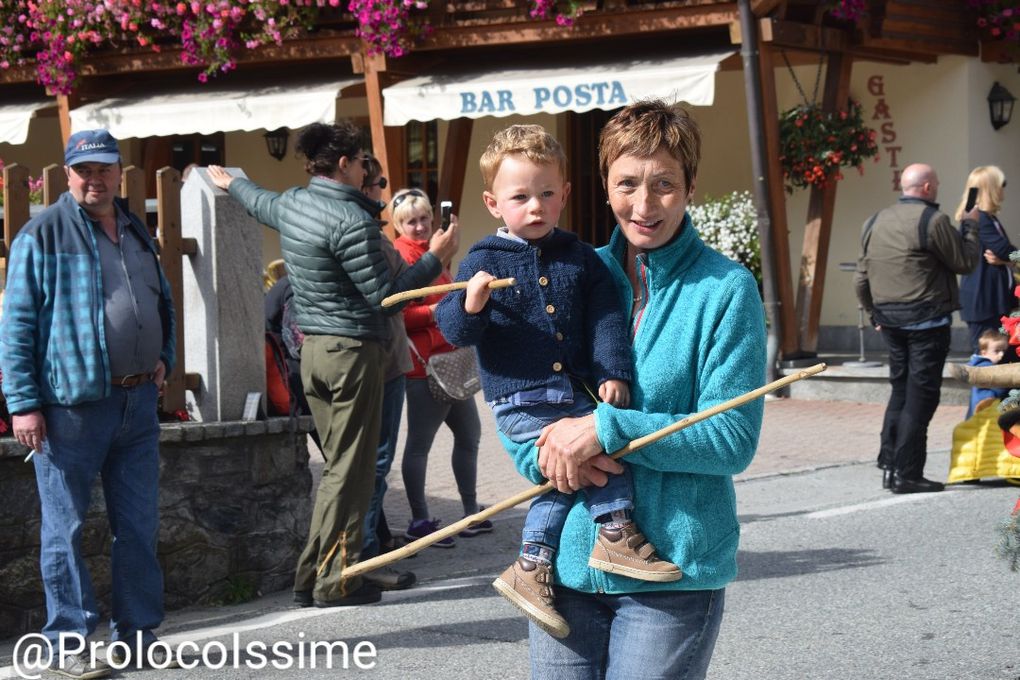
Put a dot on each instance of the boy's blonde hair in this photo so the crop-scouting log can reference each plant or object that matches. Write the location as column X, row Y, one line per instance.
column 990, row 336
column 406, row 203
column 530, row 141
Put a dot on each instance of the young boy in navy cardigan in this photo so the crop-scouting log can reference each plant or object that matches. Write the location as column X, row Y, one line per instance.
column 543, row 346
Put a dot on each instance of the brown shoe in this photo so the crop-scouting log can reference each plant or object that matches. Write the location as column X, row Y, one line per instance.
column 627, row 552
column 528, row 586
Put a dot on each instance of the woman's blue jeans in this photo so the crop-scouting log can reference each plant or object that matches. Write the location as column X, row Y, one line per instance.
column 666, row 634
column 393, row 407
column 117, row 438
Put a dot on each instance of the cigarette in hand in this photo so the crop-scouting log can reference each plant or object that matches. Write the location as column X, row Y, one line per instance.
column 29, row 456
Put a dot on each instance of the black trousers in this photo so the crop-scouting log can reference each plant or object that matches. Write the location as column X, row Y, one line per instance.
column 916, row 359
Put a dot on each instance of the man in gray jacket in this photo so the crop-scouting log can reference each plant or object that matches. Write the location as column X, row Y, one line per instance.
column 906, row 279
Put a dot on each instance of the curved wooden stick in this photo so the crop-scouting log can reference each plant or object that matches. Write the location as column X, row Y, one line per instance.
column 443, row 288
column 457, row 527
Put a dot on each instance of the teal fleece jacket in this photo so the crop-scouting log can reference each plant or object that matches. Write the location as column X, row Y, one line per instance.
column 698, row 341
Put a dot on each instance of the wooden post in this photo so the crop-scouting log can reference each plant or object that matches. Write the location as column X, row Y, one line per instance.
column 818, row 229
column 132, row 187
column 66, row 102
column 454, row 162
column 788, row 343
column 54, row 183
column 375, row 67
column 15, row 205
column 168, row 211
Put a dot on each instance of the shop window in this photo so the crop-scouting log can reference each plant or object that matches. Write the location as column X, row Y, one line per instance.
column 179, row 152
column 422, row 154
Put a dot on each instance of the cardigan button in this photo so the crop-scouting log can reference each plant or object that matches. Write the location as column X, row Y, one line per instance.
column 542, row 281
column 557, row 366
column 559, row 336
column 550, row 309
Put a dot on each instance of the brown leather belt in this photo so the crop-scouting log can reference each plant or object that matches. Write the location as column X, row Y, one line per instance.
column 133, row 380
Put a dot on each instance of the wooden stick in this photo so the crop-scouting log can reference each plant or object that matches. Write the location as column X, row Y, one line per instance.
column 444, row 288
column 457, row 527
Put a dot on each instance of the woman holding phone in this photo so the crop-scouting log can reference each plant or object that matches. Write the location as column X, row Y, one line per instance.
column 412, row 218
column 986, row 294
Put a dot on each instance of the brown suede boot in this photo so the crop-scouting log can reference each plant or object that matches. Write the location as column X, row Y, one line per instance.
column 528, row 586
column 627, row 552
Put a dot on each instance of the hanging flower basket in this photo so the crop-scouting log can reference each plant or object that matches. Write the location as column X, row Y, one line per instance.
column 816, row 146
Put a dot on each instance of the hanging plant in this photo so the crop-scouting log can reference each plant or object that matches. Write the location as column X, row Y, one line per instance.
column 390, row 27
column 848, row 10
column 565, row 12
column 815, row 146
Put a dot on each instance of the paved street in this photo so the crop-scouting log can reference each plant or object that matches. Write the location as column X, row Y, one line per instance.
column 838, row 578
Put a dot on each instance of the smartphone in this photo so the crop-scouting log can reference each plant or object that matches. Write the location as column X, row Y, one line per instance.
column 972, row 195
column 445, row 210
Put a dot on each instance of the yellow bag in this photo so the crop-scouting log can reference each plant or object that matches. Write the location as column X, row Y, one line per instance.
column 978, row 448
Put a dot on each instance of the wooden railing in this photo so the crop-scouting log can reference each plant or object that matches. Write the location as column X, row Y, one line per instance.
column 17, row 209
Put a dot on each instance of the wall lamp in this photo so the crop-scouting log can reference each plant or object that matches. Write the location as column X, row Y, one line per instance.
column 1000, row 105
column 276, row 142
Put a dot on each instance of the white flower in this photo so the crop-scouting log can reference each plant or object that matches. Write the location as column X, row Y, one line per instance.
column 730, row 226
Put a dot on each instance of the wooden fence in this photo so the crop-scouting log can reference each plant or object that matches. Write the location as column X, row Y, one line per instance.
column 167, row 229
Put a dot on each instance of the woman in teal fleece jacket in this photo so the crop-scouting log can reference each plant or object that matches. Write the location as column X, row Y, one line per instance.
column 698, row 334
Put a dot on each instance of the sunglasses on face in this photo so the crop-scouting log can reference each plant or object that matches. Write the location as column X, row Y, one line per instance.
column 404, row 196
column 381, row 183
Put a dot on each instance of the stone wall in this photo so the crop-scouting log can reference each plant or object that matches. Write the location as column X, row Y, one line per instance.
column 235, row 504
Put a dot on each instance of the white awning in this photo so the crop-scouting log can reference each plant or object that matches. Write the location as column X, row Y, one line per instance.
column 207, row 109
column 579, row 88
column 15, row 117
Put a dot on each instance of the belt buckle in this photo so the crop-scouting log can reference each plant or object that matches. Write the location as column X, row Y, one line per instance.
column 132, row 379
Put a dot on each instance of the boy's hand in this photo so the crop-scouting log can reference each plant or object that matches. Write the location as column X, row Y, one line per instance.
column 615, row 392
column 444, row 242
column 478, row 292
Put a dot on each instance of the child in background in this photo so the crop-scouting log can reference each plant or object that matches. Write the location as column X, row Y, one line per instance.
column 992, row 346
column 543, row 346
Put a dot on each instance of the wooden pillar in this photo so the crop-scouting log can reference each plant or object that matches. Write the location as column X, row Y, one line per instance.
column 818, row 229
column 15, row 207
column 66, row 102
column 453, row 165
column 54, row 183
column 788, row 343
column 375, row 81
column 168, row 210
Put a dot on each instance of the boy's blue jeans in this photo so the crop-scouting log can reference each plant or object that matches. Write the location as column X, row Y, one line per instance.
column 117, row 438
column 548, row 512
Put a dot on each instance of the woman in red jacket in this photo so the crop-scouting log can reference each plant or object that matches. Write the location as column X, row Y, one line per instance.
column 412, row 218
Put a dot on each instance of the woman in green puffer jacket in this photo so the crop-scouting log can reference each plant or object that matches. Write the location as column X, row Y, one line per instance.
column 331, row 240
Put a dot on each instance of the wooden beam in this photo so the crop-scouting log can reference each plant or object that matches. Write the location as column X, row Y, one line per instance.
column 762, row 7
column 818, row 230
column 587, row 27
column 54, row 183
column 15, row 207
column 132, row 188
column 788, row 343
column 454, row 164
column 793, row 35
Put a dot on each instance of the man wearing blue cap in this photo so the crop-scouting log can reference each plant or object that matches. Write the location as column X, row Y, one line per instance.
column 86, row 339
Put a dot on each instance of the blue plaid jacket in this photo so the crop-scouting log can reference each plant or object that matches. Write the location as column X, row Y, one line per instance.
column 52, row 336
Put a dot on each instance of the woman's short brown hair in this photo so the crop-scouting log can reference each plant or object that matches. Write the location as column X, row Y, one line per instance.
column 645, row 127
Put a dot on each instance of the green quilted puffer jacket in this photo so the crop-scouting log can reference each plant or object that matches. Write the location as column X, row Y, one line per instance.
column 330, row 239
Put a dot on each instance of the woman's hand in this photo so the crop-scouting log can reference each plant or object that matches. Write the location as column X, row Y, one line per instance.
column 444, row 242
column 992, row 258
column 220, row 177
column 570, row 456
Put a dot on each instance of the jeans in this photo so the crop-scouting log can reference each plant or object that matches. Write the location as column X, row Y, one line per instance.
column 548, row 512
column 916, row 359
column 393, row 405
column 666, row 634
column 118, row 438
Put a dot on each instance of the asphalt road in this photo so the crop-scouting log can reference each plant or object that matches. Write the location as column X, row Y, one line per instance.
column 838, row 579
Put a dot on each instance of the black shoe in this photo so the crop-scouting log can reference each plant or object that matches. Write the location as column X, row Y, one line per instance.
column 919, row 485
column 388, row 578
column 887, row 478
column 303, row 598
column 366, row 594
